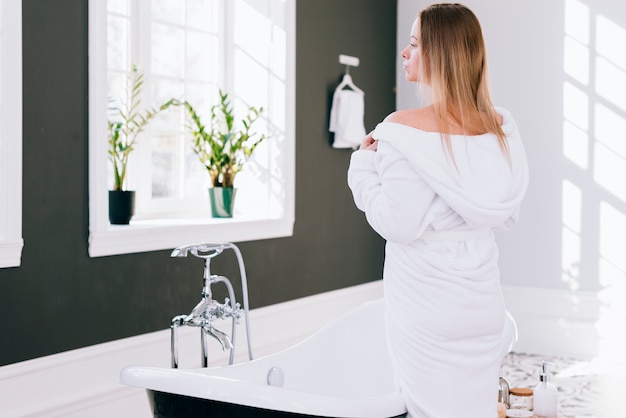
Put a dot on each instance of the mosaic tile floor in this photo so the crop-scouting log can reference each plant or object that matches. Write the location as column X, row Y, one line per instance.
column 587, row 388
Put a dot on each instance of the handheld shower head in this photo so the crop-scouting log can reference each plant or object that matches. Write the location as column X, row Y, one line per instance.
column 181, row 251
column 204, row 250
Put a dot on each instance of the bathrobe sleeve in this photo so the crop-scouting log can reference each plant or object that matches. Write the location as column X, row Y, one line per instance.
column 393, row 196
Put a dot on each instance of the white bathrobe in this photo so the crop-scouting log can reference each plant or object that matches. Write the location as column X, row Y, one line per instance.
column 444, row 307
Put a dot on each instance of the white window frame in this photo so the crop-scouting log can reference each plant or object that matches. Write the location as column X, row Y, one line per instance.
column 160, row 234
column 11, row 241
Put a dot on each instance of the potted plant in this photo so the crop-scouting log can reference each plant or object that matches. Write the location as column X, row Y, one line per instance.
column 124, row 127
column 223, row 148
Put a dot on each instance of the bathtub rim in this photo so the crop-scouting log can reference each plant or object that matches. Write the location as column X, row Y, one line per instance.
column 198, row 384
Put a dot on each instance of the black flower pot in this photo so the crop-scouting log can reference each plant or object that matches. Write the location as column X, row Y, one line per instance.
column 121, row 206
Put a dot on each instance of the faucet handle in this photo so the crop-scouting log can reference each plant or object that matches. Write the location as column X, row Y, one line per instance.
column 226, row 310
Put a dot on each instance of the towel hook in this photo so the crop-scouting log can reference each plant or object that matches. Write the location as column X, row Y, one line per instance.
column 348, row 61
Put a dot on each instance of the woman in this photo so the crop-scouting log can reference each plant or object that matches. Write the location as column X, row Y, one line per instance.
column 435, row 182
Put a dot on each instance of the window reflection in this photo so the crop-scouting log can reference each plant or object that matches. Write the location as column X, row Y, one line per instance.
column 594, row 196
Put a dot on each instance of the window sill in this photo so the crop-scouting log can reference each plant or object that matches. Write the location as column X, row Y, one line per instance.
column 11, row 253
column 153, row 235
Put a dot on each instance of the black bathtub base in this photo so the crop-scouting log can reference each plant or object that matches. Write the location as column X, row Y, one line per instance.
column 170, row 405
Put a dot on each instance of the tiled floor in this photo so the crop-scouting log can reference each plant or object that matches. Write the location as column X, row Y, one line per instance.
column 587, row 388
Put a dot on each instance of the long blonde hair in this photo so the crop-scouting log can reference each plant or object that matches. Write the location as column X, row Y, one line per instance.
column 454, row 64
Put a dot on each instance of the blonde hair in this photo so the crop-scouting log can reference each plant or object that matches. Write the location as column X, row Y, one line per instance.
column 454, row 64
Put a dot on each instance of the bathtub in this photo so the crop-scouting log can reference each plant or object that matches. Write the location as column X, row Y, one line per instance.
column 343, row 370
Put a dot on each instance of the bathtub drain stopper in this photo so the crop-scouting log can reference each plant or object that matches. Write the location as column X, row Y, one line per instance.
column 276, row 377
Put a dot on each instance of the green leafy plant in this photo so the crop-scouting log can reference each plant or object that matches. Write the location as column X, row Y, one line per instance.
column 129, row 122
column 222, row 147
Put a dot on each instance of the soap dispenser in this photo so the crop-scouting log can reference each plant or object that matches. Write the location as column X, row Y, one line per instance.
column 545, row 394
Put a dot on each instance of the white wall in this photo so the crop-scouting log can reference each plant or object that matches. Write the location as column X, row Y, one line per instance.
column 572, row 234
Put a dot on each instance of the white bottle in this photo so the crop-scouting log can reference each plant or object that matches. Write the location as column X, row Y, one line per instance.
column 545, row 395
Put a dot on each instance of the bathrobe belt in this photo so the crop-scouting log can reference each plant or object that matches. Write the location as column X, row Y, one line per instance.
column 470, row 234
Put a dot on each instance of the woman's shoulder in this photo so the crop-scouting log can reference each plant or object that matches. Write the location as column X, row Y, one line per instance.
column 422, row 118
column 425, row 119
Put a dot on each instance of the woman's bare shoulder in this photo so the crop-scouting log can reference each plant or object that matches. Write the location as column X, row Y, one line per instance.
column 422, row 118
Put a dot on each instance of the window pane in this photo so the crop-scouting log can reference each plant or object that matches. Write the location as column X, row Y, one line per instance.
column 118, row 6
column 278, row 52
column 170, row 11
column 251, row 79
column 253, row 29
column 202, row 56
column 164, row 89
column 167, row 50
column 166, row 166
column 196, row 177
column 277, row 110
column 117, row 43
column 202, row 96
column 203, row 14
column 116, row 94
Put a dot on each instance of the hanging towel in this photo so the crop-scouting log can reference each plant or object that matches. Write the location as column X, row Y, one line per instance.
column 346, row 118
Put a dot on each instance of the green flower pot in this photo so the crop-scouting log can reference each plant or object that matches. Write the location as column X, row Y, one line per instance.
column 222, row 201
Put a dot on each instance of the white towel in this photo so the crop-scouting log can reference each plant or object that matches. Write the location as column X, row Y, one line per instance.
column 346, row 118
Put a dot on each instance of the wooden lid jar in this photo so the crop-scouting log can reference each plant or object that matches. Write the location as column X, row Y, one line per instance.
column 521, row 398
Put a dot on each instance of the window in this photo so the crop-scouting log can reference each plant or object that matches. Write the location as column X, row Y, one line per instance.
column 190, row 49
column 11, row 241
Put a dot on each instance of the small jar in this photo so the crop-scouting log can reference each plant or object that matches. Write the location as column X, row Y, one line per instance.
column 521, row 398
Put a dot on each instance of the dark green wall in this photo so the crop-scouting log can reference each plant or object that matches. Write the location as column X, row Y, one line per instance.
column 60, row 299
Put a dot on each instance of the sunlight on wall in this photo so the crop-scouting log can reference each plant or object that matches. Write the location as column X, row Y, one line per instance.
column 610, row 62
column 572, row 223
column 575, row 125
column 594, row 129
column 575, row 135
column 609, row 172
column 612, row 278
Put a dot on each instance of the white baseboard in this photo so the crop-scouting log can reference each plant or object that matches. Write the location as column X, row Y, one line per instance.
column 85, row 382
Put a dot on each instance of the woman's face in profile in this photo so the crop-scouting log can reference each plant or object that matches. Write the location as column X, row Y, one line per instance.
column 411, row 55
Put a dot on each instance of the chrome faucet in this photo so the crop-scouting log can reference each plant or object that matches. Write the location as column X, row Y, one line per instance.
column 204, row 314
column 220, row 336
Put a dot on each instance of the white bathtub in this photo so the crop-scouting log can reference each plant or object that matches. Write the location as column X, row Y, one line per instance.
column 343, row 370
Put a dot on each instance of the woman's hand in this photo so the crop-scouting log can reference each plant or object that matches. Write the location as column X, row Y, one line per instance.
column 369, row 143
